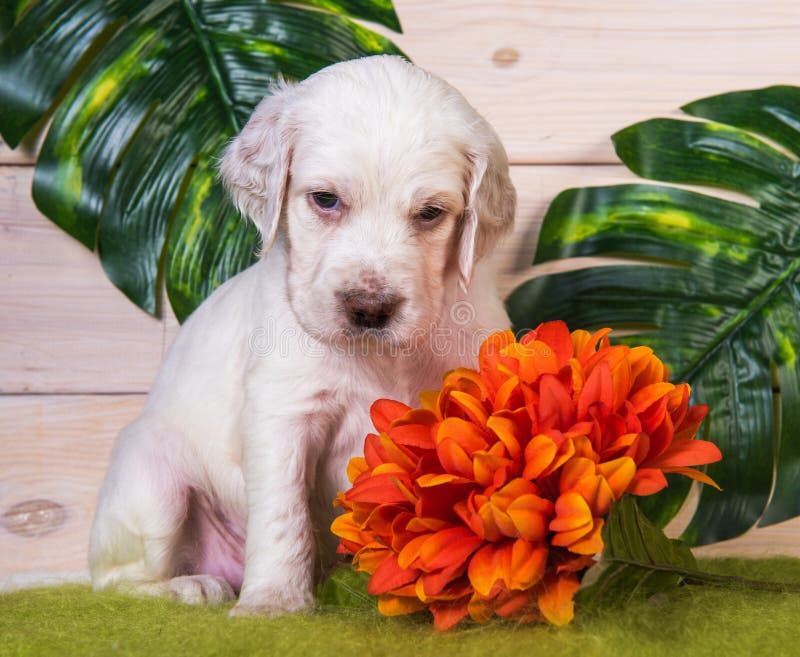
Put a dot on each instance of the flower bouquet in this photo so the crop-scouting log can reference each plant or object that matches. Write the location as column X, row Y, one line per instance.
column 490, row 498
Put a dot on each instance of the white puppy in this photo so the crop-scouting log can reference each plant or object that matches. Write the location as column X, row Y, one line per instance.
column 383, row 191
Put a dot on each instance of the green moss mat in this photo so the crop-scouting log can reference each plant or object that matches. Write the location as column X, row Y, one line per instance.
column 692, row 621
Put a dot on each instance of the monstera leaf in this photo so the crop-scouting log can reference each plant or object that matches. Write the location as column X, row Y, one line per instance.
column 146, row 93
column 715, row 289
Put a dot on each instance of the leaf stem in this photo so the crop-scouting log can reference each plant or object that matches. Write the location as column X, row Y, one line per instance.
column 216, row 73
column 736, row 322
column 699, row 577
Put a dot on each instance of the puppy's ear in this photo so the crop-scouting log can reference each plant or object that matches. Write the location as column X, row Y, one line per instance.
column 255, row 166
column 491, row 203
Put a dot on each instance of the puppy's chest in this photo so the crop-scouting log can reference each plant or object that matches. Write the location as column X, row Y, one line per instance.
column 357, row 383
column 350, row 396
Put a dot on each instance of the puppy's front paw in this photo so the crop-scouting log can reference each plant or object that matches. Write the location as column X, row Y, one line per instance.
column 189, row 589
column 272, row 603
column 200, row 589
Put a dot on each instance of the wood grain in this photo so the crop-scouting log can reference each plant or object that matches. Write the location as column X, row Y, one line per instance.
column 558, row 78
column 64, row 327
column 54, row 448
column 19, row 156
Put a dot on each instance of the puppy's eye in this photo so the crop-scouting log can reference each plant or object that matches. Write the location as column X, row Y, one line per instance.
column 429, row 214
column 326, row 200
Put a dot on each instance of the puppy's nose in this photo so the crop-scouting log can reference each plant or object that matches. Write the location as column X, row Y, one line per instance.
column 370, row 310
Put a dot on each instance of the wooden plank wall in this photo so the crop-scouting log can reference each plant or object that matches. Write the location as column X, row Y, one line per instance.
column 555, row 78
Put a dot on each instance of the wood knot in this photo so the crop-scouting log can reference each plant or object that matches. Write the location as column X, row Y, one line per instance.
column 504, row 57
column 34, row 518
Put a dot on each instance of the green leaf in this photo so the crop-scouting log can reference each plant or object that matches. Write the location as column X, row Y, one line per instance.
column 346, row 588
column 638, row 558
column 10, row 13
column 713, row 287
column 147, row 92
column 378, row 11
column 640, row 561
column 631, row 538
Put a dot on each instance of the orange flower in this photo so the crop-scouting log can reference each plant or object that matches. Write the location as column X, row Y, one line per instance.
column 489, row 500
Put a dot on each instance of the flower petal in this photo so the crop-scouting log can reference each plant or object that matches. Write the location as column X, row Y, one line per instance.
column 490, row 564
column 481, row 610
column 535, row 358
column 374, row 454
column 390, row 575
column 397, row 454
column 585, row 346
column 496, row 522
column 467, row 512
column 691, row 422
column 370, row 558
column 466, row 380
column 432, row 480
column 425, row 524
column 591, row 543
column 556, row 598
column 597, row 493
column 489, row 500
column 694, row 474
column 508, row 432
column 573, row 519
column 618, row 473
column 472, row 406
column 686, row 453
column 356, row 466
column 454, row 459
column 393, row 605
column 649, row 395
column 511, row 491
column 447, row 615
column 492, row 364
column 439, row 501
column 385, row 411
column 486, row 464
column 508, row 396
column 539, row 454
column 407, row 558
column 528, row 561
column 379, row 489
column 447, row 547
column 647, row 481
column 599, row 388
column 574, row 470
column 467, row 435
column 413, row 435
column 517, row 604
column 556, row 335
column 556, row 410
column 429, row 400
column 433, row 584
column 345, row 527
column 531, row 515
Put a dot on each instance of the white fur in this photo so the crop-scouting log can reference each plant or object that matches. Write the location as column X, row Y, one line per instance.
column 265, row 393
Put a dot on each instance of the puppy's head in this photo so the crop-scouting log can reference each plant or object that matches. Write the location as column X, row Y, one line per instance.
column 387, row 186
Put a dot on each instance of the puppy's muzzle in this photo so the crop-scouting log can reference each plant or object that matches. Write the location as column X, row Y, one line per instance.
column 370, row 310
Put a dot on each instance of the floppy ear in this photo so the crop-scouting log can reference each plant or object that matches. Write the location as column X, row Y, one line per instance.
column 491, row 203
column 255, row 166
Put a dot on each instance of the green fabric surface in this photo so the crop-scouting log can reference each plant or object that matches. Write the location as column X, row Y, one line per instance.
column 692, row 621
